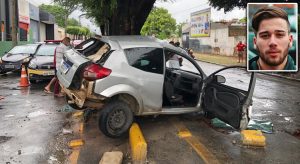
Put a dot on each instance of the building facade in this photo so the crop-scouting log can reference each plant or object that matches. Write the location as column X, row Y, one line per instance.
column 222, row 40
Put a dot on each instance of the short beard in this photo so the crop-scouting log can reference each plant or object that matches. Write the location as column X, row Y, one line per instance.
column 273, row 63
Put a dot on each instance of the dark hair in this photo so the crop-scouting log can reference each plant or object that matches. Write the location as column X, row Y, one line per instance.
column 171, row 42
column 268, row 13
column 177, row 44
column 67, row 39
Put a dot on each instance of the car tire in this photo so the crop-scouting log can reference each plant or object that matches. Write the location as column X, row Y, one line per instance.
column 115, row 119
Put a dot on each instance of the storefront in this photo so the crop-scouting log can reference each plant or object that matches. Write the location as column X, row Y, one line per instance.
column 34, row 23
column 24, row 20
column 46, row 26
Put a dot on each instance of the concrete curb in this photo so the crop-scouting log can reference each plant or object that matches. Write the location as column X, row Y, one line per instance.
column 264, row 73
column 114, row 157
column 138, row 144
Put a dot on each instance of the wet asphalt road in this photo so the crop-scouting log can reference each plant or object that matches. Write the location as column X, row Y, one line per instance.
column 30, row 123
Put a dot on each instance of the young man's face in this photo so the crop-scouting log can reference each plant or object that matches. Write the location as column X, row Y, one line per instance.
column 273, row 41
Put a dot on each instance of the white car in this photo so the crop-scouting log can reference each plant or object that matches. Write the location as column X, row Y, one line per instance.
column 127, row 76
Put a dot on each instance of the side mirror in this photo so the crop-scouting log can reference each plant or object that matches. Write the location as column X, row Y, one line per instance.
column 220, row 79
column 31, row 55
column 5, row 52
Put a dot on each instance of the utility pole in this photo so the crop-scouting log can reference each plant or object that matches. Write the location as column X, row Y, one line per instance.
column 14, row 22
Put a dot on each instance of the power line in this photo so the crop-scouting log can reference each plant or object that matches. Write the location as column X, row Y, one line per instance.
column 180, row 11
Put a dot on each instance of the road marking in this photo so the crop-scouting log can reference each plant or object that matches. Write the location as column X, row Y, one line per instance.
column 74, row 156
column 200, row 148
column 79, row 126
column 75, row 143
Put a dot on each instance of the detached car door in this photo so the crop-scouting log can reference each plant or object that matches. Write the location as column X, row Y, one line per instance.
column 228, row 95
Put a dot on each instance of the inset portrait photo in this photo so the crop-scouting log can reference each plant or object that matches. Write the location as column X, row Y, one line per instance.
column 272, row 33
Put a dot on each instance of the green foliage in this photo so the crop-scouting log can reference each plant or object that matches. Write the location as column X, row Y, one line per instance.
column 100, row 10
column 228, row 5
column 73, row 22
column 179, row 29
column 57, row 11
column 68, row 5
column 159, row 23
column 76, row 30
column 243, row 20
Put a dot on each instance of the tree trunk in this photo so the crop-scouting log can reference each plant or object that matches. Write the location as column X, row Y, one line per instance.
column 14, row 23
column 130, row 17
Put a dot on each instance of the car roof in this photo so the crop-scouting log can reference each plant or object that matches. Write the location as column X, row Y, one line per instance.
column 125, row 42
column 33, row 44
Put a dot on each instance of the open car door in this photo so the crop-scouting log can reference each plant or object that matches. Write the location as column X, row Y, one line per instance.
column 229, row 99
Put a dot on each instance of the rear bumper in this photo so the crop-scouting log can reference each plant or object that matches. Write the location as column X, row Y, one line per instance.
column 84, row 97
column 39, row 74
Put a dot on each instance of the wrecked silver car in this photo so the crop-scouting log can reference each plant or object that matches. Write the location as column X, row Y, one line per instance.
column 127, row 76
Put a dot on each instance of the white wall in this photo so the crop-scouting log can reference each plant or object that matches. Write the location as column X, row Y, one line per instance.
column 42, row 32
column 59, row 32
column 219, row 39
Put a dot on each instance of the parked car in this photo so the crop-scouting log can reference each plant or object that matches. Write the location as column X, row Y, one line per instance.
column 127, row 76
column 41, row 66
column 74, row 43
column 13, row 60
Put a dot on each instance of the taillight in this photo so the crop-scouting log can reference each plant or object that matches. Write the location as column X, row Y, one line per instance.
column 95, row 71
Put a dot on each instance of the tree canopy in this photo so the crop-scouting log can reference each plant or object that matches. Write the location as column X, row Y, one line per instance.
column 228, row 5
column 115, row 17
column 159, row 23
column 73, row 22
column 78, row 31
column 57, row 11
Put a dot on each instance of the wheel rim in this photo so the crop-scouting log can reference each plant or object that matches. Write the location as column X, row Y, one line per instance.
column 117, row 119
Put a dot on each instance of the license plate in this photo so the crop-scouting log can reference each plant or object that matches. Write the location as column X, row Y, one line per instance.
column 49, row 73
column 65, row 67
column 9, row 66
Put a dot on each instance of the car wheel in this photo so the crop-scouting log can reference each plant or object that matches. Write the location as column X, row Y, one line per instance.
column 115, row 119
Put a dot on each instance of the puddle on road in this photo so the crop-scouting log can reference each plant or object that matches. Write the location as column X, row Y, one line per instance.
column 4, row 139
column 268, row 104
column 289, row 119
column 9, row 115
column 37, row 113
column 32, row 150
column 52, row 160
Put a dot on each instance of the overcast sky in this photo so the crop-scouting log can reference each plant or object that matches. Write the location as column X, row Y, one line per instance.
column 179, row 9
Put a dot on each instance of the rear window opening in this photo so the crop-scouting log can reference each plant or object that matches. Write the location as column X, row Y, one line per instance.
column 94, row 49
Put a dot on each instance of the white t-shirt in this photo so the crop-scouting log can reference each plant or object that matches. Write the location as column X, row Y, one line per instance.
column 60, row 50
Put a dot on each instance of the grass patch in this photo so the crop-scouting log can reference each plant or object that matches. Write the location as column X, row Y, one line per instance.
column 219, row 59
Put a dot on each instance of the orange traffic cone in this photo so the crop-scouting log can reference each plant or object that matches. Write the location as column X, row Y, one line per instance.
column 24, row 80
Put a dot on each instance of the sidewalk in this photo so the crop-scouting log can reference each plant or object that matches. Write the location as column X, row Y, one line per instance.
column 233, row 60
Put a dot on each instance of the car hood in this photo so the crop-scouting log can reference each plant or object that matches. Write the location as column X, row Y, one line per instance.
column 14, row 57
column 42, row 60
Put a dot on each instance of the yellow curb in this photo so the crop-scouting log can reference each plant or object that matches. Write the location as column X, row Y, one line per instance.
column 253, row 138
column 138, row 144
column 184, row 133
column 75, row 143
column 73, row 158
column 78, row 114
column 81, row 127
